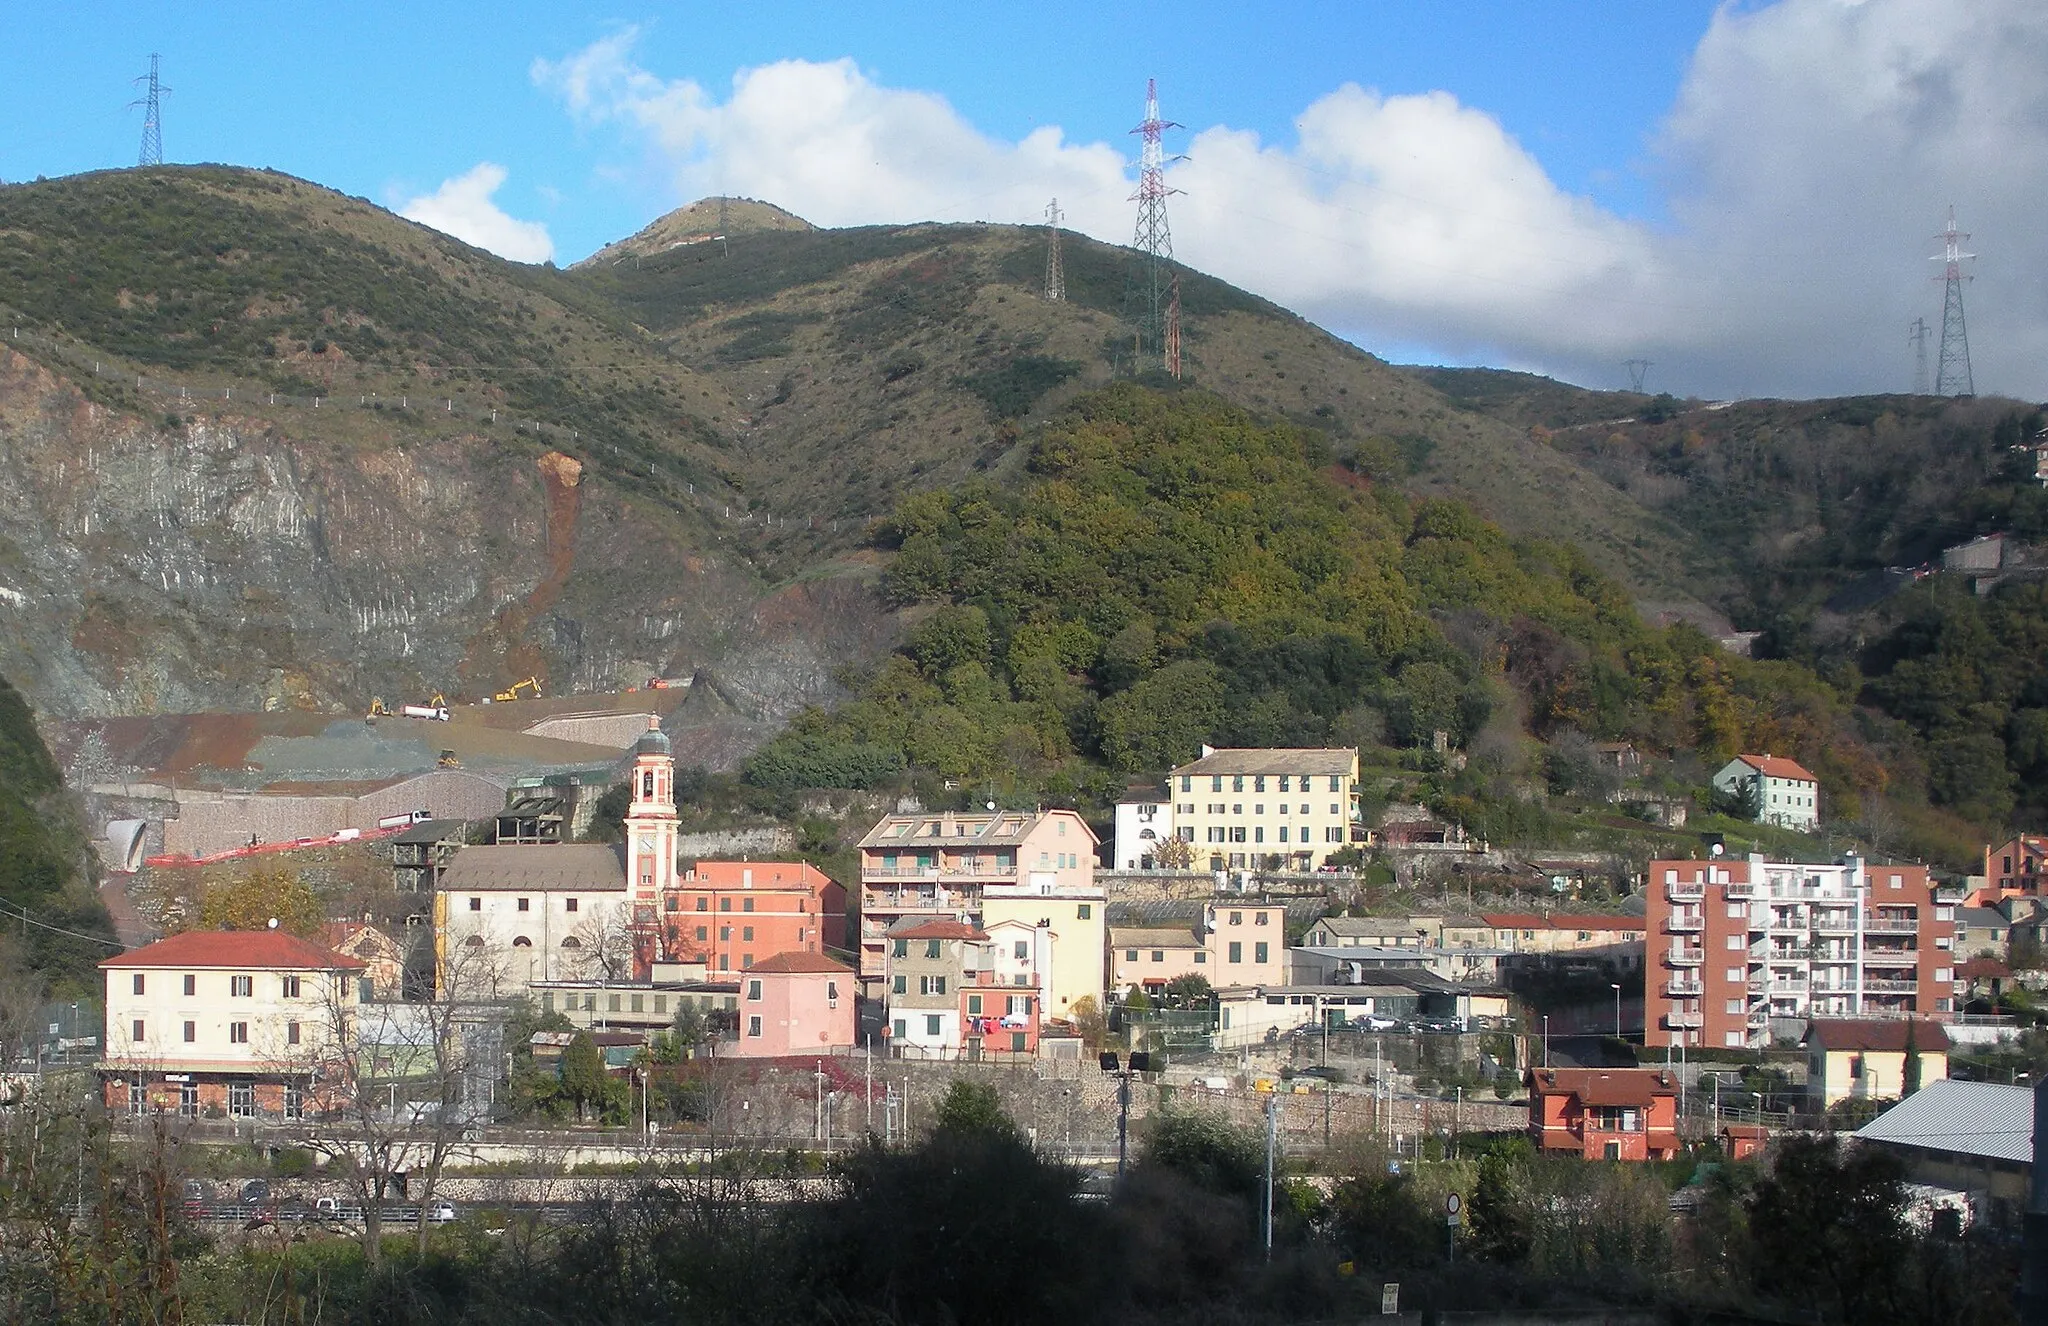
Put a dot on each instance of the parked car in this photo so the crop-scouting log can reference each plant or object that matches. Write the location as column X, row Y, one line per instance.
column 440, row 1213
column 256, row 1191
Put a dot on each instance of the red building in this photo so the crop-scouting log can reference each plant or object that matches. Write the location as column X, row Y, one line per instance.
column 728, row 914
column 2013, row 869
column 1604, row 1113
column 1734, row 943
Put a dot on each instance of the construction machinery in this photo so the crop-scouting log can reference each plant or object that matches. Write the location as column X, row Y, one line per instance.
column 377, row 709
column 448, row 761
column 512, row 692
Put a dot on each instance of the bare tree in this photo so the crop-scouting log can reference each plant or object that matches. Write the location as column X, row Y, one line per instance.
column 604, row 945
column 400, row 1084
column 21, row 1001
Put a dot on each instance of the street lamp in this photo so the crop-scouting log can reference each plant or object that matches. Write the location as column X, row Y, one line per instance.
column 1546, row 1040
column 1140, row 1062
column 1617, row 1009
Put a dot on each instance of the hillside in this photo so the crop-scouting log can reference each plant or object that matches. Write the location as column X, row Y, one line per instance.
column 44, row 887
column 335, row 479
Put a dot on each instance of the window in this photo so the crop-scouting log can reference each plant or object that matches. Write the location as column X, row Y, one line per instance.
column 1855, row 1066
column 746, row 904
column 569, row 904
column 704, row 904
column 1158, row 955
column 831, row 994
column 1236, row 951
column 898, row 1030
column 931, row 985
column 1258, row 782
column 294, row 1103
column 638, row 1007
column 754, row 1025
column 1259, row 952
column 138, row 1097
column 291, row 987
column 476, row 904
column 902, row 946
column 188, row 1100
column 1086, row 912
column 1237, row 918
column 1733, row 1039
column 1736, row 911
column 1130, row 955
column 1733, row 1006
column 291, row 1033
column 1732, row 973
column 1216, row 782
column 135, row 1032
column 671, row 903
column 242, row 1100
column 1187, row 784
column 931, row 948
column 1283, row 782
column 520, row 905
column 1737, row 942
column 753, row 992
column 1017, row 1041
column 191, row 986
column 1258, row 918
column 932, row 1024
column 242, row 987
column 703, row 933
column 1283, row 834
column 725, row 934
column 899, row 985
column 661, row 1003
column 191, row 1032
column 238, row 1033
column 974, row 1006
column 613, row 1004
column 1201, row 956
column 746, row 934
column 138, row 982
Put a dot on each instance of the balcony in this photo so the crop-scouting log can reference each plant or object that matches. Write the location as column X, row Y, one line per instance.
column 1682, row 1021
column 1788, row 922
column 1759, row 1017
column 883, row 904
column 1685, row 957
column 1684, row 925
column 1683, row 892
column 1757, row 986
column 1889, row 987
column 1733, row 889
column 1890, row 926
column 1684, row 989
column 1950, row 894
column 1834, row 925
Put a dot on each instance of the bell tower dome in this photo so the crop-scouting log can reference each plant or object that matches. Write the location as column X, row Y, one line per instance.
column 651, row 818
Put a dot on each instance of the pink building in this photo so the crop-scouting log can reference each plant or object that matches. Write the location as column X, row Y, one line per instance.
column 795, row 1003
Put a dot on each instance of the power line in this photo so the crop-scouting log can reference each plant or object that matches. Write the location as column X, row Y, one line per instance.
column 21, row 914
column 152, row 153
column 1916, row 336
column 1146, row 292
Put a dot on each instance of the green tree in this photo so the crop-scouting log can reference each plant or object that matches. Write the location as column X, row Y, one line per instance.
column 252, row 901
column 1163, row 719
column 1189, row 991
column 1499, row 1231
column 584, row 1082
column 973, row 1107
column 1829, row 1231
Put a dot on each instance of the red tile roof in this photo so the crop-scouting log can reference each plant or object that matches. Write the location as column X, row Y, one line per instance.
column 939, row 930
column 766, row 875
column 1777, row 766
column 1605, row 1086
column 235, row 948
column 1982, row 969
column 799, row 963
column 1874, row 1034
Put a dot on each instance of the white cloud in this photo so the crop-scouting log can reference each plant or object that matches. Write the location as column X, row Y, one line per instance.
column 1813, row 148
column 463, row 207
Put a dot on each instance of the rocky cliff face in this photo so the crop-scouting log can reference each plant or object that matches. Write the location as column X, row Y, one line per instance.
column 220, row 562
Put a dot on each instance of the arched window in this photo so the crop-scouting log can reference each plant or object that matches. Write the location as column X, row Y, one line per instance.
column 474, row 941
column 647, row 785
column 572, row 942
column 522, row 942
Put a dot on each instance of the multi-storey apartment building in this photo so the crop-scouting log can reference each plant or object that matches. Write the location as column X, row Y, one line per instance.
column 1786, row 794
column 927, row 964
column 2017, row 867
column 948, row 865
column 241, row 1023
column 1241, row 809
column 1735, row 943
column 728, row 914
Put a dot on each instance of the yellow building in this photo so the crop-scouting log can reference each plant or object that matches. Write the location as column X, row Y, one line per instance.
column 1247, row 809
column 1865, row 1058
column 1066, row 934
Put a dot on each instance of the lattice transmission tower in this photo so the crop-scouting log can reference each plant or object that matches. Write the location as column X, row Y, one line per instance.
column 1638, row 370
column 1055, row 266
column 152, row 153
column 1149, row 292
column 1952, row 374
column 1917, row 332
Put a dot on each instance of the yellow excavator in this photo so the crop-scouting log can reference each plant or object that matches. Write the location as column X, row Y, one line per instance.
column 377, row 709
column 511, row 693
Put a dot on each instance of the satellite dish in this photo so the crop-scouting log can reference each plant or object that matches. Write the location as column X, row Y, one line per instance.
column 273, row 923
column 990, row 804
column 1716, row 849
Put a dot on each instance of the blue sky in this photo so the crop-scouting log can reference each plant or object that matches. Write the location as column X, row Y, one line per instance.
column 1551, row 186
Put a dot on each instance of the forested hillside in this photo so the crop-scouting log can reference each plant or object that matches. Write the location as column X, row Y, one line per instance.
column 44, row 888
column 1174, row 571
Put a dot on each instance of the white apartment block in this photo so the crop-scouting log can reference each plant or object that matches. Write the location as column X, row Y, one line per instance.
column 1245, row 809
column 1787, row 795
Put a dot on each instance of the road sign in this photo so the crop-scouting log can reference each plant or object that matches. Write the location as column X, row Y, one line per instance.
column 1451, row 1204
column 1390, row 1300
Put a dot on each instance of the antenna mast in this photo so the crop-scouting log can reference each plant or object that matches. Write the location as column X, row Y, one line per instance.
column 724, row 227
column 1952, row 377
column 1917, row 332
column 1055, row 268
column 152, row 153
column 1146, row 296
column 1638, row 369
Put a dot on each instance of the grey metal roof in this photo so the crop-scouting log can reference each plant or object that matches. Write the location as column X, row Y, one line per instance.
column 1146, row 937
column 583, row 867
column 1981, row 1119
